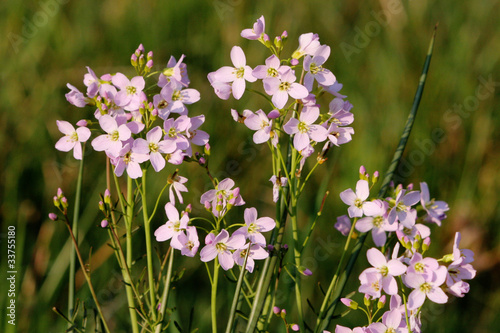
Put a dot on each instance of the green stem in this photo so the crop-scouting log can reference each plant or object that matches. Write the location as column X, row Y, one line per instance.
column 166, row 290
column 74, row 228
column 149, row 254
column 236, row 296
column 213, row 303
column 128, row 287
column 87, row 277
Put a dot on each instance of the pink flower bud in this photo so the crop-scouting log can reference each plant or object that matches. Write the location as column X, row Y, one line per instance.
column 294, row 62
column 410, row 187
column 133, row 58
column 150, row 54
column 381, row 302
column 140, row 48
column 295, row 327
column 362, row 170
column 207, row 205
column 202, row 160
column 82, row 123
column 149, row 64
column 276, row 310
column 53, row 216
column 283, row 313
column 154, row 113
column 189, row 208
column 284, row 34
column 104, row 223
column 59, row 193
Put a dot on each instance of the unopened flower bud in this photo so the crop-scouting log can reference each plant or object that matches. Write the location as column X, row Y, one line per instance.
column 284, row 35
column 104, row 223
column 154, row 113
column 64, row 202
column 276, row 310
column 101, row 206
column 270, row 247
column 140, row 48
column 367, row 300
column 202, row 161
column 142, row 61
column 57, row 203
column 381, row 302
column 295, row 327
column 207, row 149
column 150, row 55
column 277, row 42
column 362, row 173
column 59, row 193
column 410, row 187
column 107, row 197
column 189, row 208
column 283, row 313
column 149, row 64
column 133, row 60
column 349, row 303
column 426, row 244
column 207, row 205
column 305, row 271
column 294, row 62
column 375, row 177
column 82, row 123
column 53, row 216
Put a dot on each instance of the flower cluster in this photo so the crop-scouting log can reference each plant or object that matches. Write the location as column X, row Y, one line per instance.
column 403, row 216
column 126, row 117
column 300, row 117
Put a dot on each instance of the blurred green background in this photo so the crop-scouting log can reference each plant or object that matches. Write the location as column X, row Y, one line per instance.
column 378, row 57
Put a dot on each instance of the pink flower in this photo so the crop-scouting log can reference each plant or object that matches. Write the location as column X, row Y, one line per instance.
column 222, row 89
column 129, row 160
column 315, row 70
column 194, row 135
column 387, row 269
column 257, row 32
column 221, row 247
column 177, row 186
column 308, row 44
column 259, row 122
column 402, row 208
column 272, row 68
column 435, row 209
column 75, row 97
column 155, row 147
column 280, row 87
column 343, row 225
column 221, row 196
column 72, row 138
column 176, row 129
column 189, row 241
column 255, row 226
column 173, row 227
column 111, row 142
column 357, row 201
column 237, row 74
column 175, row 97
column 426, row 287
column 377, row 222
column 130, row 95
column 423, row 266
column 390, row 323
column 304, row 129
column 256, row 253
column 277, row 184
column 175, row 71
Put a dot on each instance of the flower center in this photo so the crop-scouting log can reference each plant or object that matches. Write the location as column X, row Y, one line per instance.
column 189, row 245
column 425, row 288
column 172, row 132
column 153, row 147
column 384, row 270
column 253, row 228
column 176, row 96
column 358, row 203
column 131, row 90
column 243, row 253
column 220, row 247
column 376, row 286
column 162, row 104
column 73, row 137
column 419, row 267
column 377, row 221
column 240, row 72
column 390, row 330
column 114, row 136
column 303, row 127
column 272, row 72
column 127, row 158
column 176, row 226
column 314, row 69
column 284, row 86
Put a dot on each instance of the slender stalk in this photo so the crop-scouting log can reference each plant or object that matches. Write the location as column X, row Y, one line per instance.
column 149, row 254
column 74, row 228
column 213, row 303
column 87, row 277
column 128, row 287
column 325, row 316
column 236, row 296
column 166, row 290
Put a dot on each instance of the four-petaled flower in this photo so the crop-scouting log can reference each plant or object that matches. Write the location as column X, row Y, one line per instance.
column 72, row 138
column 220, row 247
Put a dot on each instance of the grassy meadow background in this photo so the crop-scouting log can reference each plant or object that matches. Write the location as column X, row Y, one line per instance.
column 454, row 146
